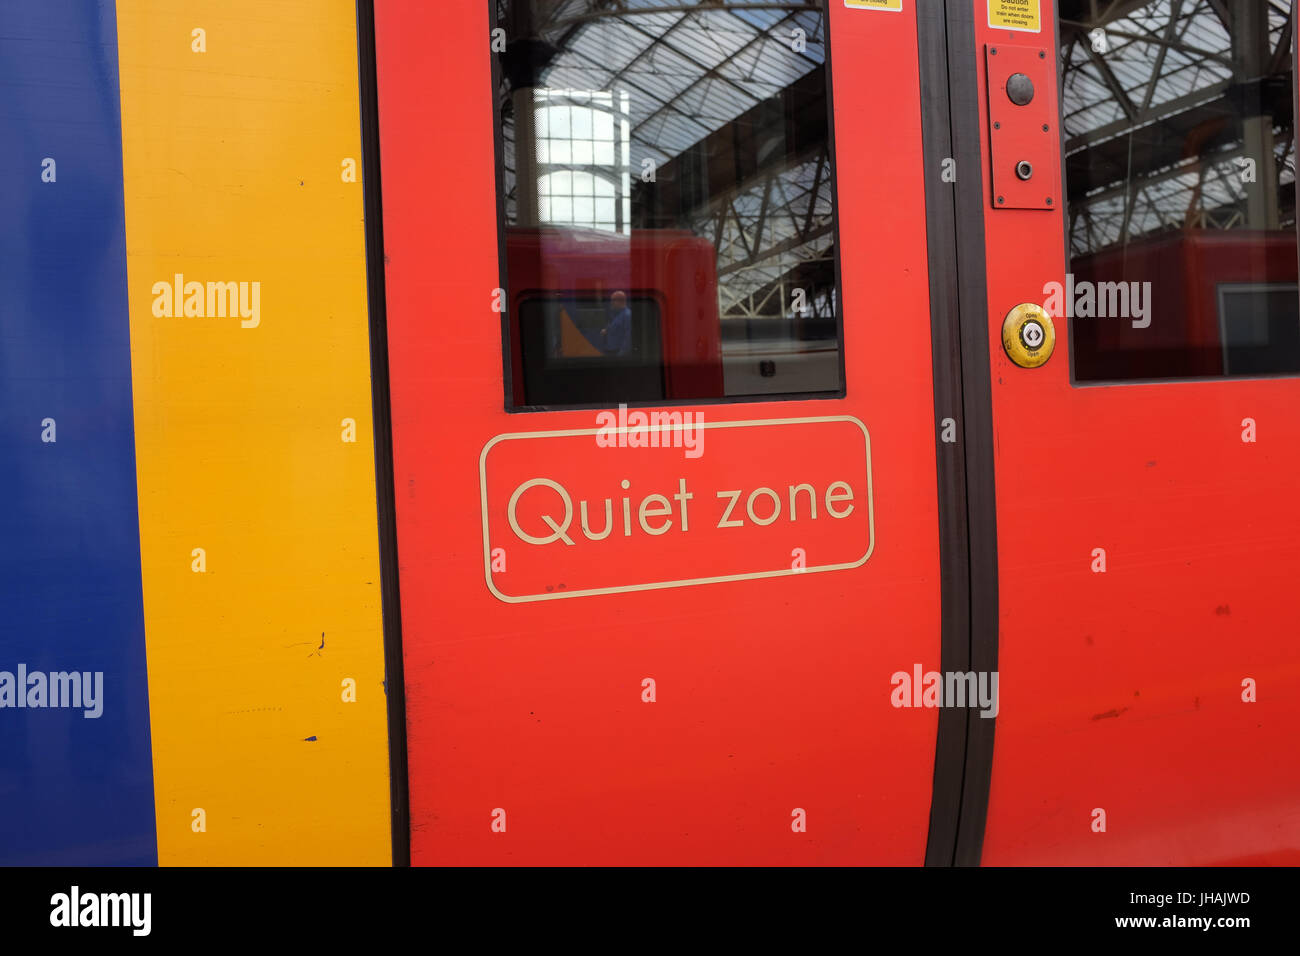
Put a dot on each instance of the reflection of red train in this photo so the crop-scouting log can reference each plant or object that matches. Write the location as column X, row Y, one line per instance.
column 564, row 278
column 1209, row 313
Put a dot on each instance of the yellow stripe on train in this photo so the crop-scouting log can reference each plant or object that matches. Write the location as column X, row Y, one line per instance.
column 241, row 141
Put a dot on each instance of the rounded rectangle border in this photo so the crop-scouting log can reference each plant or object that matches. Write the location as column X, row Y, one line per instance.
column 684, row 582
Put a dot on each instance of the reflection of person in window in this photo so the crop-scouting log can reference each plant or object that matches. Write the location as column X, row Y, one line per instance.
column 617, row 336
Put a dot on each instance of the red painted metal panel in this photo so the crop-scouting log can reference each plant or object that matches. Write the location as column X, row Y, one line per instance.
column 1023, row 134
column 1122, row 691
column 772, row 694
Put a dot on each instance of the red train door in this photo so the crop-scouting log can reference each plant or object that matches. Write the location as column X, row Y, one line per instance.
column 1145, row 508
column 703, row 535
column 664, row 432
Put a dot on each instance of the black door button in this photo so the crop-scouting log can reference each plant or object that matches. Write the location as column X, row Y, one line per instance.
column 1020, row 89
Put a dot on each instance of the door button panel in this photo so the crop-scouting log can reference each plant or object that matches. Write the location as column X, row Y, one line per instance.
column 1023, row 138
column 1028, row 335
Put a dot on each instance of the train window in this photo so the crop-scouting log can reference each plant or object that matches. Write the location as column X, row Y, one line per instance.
column 1178, row 118
column 667, row 193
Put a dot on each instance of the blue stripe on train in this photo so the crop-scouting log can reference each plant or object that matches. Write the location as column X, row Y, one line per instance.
column 73, row 790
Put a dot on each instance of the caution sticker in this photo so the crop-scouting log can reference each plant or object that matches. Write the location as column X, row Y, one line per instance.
column 874, row 4
column 1022, row 15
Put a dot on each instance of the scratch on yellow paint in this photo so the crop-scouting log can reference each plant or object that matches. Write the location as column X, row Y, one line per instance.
column 232, row 161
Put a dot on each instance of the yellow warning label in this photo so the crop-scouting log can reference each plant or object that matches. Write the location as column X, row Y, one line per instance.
column 1020, row 15
column 874, row 4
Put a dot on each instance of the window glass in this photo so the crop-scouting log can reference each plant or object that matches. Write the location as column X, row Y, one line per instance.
column 667, row 185
column 1180, row 171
